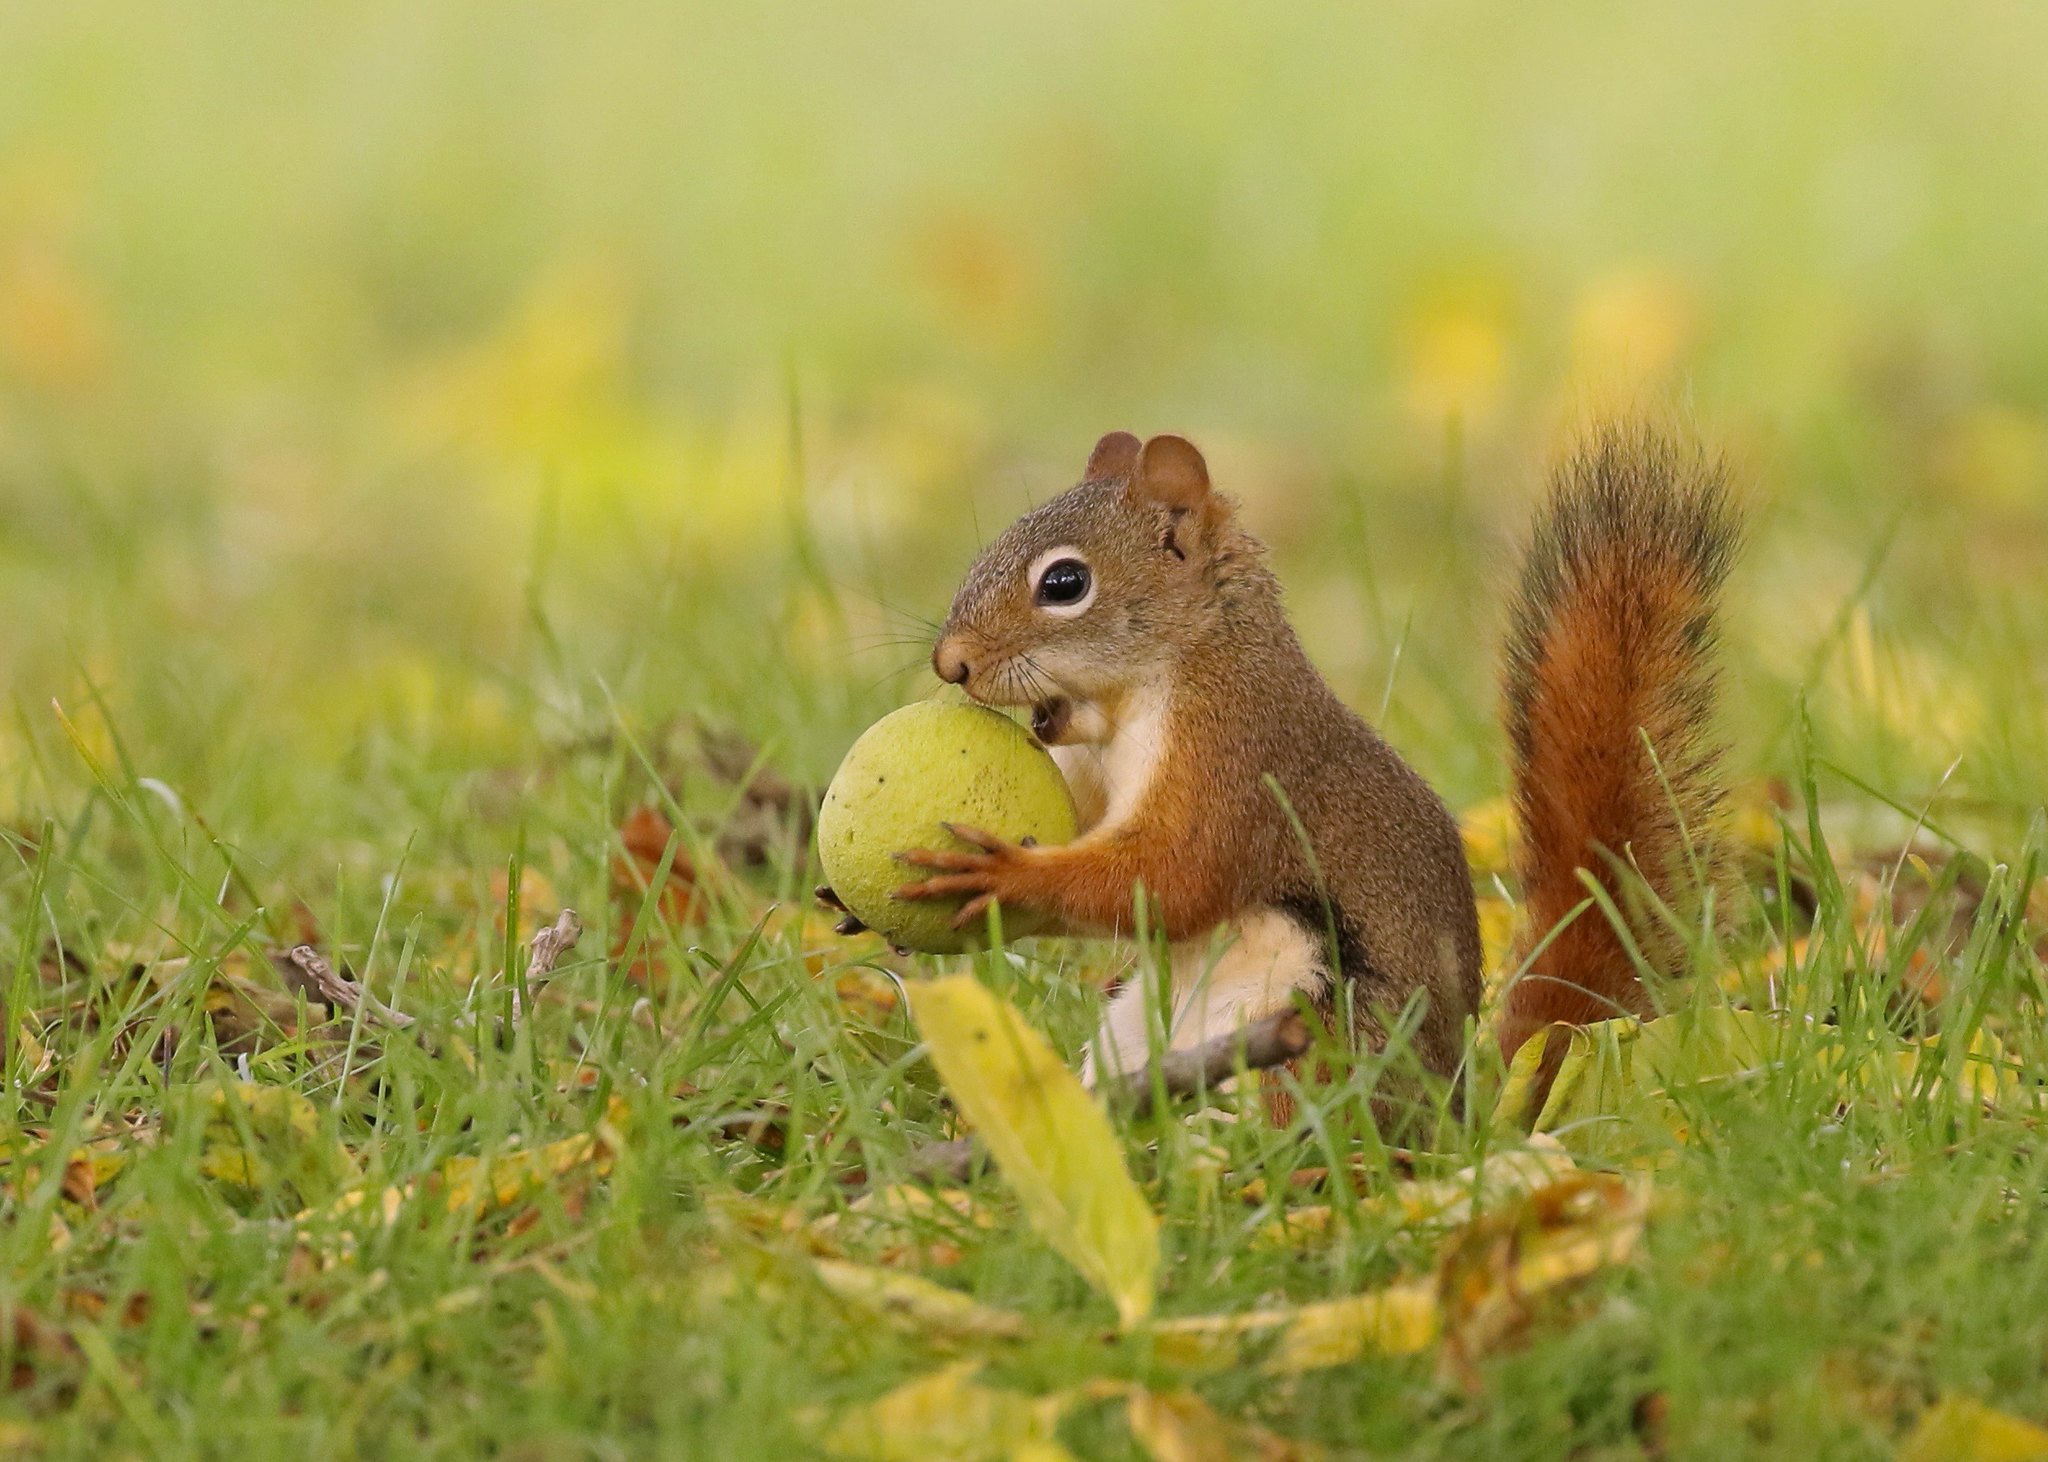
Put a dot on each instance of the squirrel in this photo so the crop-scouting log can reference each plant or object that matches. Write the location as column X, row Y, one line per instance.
column 1230, row 801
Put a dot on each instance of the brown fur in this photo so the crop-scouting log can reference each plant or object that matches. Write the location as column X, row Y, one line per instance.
column 1609, row 681
column 1611, row 642
column 1188, row 601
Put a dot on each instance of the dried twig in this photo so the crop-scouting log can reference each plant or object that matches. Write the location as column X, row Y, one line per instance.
column 306, row 969
column 549, row 945
column 1274, row 1041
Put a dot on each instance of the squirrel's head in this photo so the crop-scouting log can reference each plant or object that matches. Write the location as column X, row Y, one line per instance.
column 1090, row 594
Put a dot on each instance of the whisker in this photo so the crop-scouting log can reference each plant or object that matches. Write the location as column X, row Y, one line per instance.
column 881, row 680
column 883, row 641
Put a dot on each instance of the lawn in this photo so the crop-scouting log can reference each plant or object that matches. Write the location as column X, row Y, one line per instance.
column 460, row 464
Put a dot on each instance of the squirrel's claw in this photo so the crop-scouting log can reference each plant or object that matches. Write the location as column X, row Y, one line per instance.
column 990, row 852
column 980, row 877
column 987, row 842
column 945, row 886
column 944, row 860
column 851, row 924
column 972, row 912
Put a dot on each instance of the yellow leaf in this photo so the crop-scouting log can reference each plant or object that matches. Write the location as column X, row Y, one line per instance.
column 488, row 1184
column 914, row 1303
column 1957, row 1429
column 504, row 1178
column 1614, row 1085
column 1519, row 1170
column 1179, row 1426
column 1516, row 1109
column 1399, row 1320
column 1489, row 832
column 1446, row 1201
column 1052, row 1142
column 1986, row 1070
column 513, row 1175
column 907, row 1205
column 260, row 1138
column 1497, row 926
column 32, row 1057
column 1547, row 1240
column 950, row 1415
column 1176, row 1426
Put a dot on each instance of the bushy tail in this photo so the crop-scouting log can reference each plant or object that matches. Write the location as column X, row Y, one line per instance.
column 1610, row 681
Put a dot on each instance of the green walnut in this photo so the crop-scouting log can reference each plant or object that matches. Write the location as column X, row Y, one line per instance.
column 928, row 764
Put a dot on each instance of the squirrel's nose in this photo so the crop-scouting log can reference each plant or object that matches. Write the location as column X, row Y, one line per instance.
column 949, row 662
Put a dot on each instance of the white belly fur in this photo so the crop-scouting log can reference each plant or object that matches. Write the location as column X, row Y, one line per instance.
column 1110, row 760
column 1242, row 973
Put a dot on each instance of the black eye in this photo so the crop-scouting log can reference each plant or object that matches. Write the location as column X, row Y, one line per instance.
column 1065, row 581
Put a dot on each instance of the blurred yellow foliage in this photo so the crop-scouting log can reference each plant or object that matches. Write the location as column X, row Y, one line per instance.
column 980, row 272
column 1962, row 1429
column 1634, row 325
column 1905, row 689
column 951, row 1414
column 1996, row 455
column 53, row 329
column 1490, row 835
column 1454, row 350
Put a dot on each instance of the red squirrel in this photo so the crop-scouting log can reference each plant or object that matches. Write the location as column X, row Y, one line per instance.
column 1278, row 843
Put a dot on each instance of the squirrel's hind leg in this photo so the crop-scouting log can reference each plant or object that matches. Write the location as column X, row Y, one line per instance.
column 1244, row 971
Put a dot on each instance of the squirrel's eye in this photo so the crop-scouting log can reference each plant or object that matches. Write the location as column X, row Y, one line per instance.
column 1064, row 582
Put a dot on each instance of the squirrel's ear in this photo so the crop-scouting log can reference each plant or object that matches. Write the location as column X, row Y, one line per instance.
column 1113, row 457
column 1171, row 473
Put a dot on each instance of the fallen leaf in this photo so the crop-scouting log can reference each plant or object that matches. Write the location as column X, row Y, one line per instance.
column 950, row 1415
column 1400, row 1319
column 489, row 1185
column 1957, row 1429
column 1551, row 1238
column 39, row 1349
column 914, row 1303
column 1179, row 1426
column 1548, row 1238
column 644, row 840
column 918, row 1225
column 1541, row 1161
column 1052, row 1141
column 503, row 1179
column 264, row 1139
column 1984, row 1069
column 1616, row 1082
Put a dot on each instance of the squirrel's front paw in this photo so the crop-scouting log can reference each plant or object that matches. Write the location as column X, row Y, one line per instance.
column 992, row 873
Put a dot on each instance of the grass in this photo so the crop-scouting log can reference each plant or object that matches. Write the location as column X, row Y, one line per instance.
column 417, row 430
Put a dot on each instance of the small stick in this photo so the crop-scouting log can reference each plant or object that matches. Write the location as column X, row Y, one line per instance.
column 549, row 945
column 1274, row 1041
column 307, row 970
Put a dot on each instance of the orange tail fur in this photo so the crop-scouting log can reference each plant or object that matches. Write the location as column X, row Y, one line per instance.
column 1610, row 680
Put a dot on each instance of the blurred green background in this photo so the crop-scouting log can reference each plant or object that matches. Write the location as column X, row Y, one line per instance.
column 390, row 387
